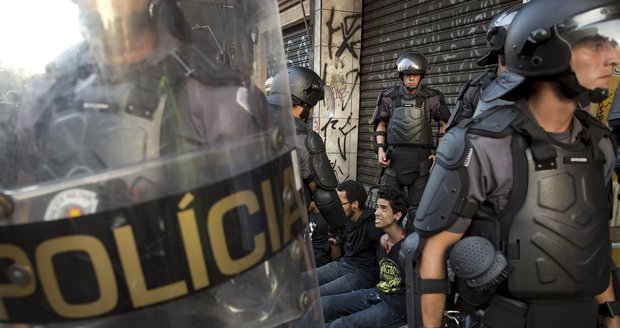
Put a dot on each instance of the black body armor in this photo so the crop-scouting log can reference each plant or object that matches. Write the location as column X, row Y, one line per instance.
column 554, row 230
column 559, row 241
column 409, row 123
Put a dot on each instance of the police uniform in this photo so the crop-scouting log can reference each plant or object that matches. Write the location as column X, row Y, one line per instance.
column 128, row 120
column 307, row 173
column 482, row 94
column 469, row 97
column 541, row 199
column 409, row 134
column 157, row 109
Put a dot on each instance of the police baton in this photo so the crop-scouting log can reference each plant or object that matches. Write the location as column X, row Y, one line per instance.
column 388, row 156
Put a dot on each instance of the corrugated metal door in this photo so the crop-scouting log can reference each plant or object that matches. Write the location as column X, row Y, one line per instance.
column 297, row 47
column 451, row 33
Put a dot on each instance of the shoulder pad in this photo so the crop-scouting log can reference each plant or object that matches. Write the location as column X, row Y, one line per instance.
column 379, row 98
column 500, row 86
column 464, row 89
column 496, row 122
column 478, row 79
column 451, row 152
column 72, row 61
column 314, row 143
column 428, row 92
column 391, row 92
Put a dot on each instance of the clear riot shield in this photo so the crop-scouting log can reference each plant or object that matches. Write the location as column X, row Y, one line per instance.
column 145, row 181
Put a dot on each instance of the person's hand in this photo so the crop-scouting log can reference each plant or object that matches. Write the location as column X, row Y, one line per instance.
column 383, row 160
column 432, row 158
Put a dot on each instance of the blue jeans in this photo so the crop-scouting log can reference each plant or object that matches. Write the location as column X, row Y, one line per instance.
column 361, row 308
column 339, row 277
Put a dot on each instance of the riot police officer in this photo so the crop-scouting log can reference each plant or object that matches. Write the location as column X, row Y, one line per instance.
column 468, row 101
column 156, row 188
column 529, row 183
column 306, row 89
column 403, row 127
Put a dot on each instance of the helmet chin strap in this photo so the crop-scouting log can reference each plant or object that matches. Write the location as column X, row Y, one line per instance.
column 570, row 88
column 597, row 95
column 305, row 112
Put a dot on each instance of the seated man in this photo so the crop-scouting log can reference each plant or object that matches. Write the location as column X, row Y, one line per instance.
column 384, row 305
column 357, row 268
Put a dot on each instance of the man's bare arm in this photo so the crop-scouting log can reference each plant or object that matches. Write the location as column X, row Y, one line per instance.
column 432, row 265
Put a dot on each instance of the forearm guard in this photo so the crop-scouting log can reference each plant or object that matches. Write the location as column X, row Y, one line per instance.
column 328, row 203
column 325, row 196
column 376, row 144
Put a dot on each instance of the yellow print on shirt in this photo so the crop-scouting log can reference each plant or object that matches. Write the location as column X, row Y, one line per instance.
column 389, row 276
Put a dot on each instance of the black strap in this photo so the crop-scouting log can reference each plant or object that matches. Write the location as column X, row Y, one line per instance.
column 394, row 94
column 543, row 151
column 432, row 286
column 609, row 309
column 466, row 209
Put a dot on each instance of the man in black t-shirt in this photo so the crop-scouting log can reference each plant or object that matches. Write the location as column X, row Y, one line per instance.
column 358, row 267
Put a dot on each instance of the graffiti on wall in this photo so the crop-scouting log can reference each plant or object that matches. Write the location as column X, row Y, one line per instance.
column 298, row 53
column 343, row 80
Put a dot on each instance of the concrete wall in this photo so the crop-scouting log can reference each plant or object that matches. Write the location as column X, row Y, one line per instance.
column 337, row 39
column 337, row 33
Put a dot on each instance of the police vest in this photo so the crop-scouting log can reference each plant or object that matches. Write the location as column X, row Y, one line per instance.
column 125, row 122
column 409, row 123
column 554, row 230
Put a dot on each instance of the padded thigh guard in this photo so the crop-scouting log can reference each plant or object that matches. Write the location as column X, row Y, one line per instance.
column 319, row 163
column 444, row 200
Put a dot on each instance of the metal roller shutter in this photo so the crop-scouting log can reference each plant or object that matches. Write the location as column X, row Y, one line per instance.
column 450, row 33
column 297, row 47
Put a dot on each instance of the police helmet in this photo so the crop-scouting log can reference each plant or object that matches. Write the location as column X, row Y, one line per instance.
column 541, row 37
column 496, row 35
column 305, row 86
column 411, row 63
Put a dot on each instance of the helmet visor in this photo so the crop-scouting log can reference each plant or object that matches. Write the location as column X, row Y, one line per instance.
column 407, row 65
column 597, row 27
column 593, row 39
